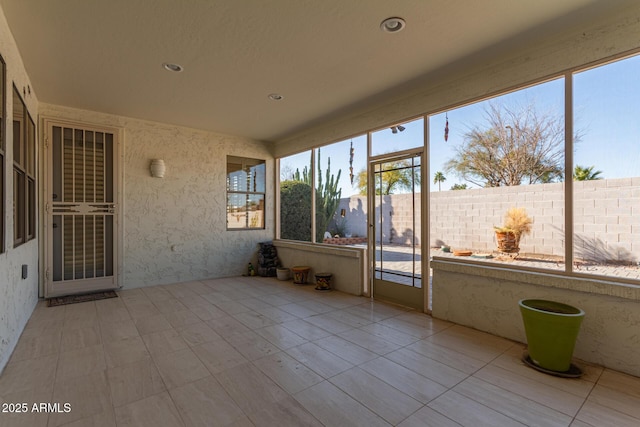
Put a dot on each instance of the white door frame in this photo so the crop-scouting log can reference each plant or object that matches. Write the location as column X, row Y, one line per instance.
column 118, row 209
column 424, row 291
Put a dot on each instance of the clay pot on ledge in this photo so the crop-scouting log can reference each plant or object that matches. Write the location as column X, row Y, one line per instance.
column 507, row 241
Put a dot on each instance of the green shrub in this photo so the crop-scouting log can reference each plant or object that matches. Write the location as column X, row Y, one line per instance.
column 295, row 210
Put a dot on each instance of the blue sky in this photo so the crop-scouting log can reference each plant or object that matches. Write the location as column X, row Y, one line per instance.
column 606, row 115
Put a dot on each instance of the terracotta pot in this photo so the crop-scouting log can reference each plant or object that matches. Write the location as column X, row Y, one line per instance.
column 300, row 274
column 507, row 241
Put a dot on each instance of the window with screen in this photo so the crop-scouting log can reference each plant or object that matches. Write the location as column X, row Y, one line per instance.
column 24, row 165
column 245, row 193
column 2, row 138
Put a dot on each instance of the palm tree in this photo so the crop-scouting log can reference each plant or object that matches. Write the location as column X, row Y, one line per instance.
column 398, row 177
column 581, row 173
column 439, row 178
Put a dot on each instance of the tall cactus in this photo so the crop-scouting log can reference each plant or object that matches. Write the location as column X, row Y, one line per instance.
column 305, row 177
column 327, row 198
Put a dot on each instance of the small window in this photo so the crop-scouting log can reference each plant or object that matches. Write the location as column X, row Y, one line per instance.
column 24, row 183
column 245, row 193
column 2, row 138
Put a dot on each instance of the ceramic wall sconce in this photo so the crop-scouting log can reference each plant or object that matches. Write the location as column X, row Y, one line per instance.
column 157, row 168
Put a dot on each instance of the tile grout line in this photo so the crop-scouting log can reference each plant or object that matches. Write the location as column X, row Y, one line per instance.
column 522, row 396
column 380, row 379
column 595, row 383
column 451, row 389
column 166, row 388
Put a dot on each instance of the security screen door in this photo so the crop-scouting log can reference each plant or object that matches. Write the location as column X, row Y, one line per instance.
column 396, row 228
column 81, row 210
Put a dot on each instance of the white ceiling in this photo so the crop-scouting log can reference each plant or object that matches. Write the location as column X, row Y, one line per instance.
column 326, row 57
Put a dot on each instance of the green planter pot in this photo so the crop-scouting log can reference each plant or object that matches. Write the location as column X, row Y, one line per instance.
column 552, row 329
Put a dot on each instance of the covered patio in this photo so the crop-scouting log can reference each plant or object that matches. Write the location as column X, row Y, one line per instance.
column 141, row 152
column 258, row 351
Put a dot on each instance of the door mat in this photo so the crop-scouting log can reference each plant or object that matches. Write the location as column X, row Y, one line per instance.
column 74, row 299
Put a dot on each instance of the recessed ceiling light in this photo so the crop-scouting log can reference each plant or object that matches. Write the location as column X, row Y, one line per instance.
column 172, row 67
column 276, row 97
column 393, row 25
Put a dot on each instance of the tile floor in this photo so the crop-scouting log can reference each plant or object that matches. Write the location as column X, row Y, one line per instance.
column 257, row 351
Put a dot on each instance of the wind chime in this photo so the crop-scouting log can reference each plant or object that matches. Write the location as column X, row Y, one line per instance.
column 446, row 127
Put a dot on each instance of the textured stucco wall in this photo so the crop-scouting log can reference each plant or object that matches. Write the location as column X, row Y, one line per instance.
column 487, row 299
column 398, row 217
column 18, row 296
column 347, row 265
column 175, row 227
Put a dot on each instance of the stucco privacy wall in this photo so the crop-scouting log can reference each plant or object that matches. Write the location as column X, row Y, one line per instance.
column 486, row 298
column 18, row 296
column 175, row 227
column 397, row 213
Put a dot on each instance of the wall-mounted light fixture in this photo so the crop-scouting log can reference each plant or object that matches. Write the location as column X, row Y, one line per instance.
column 157, row 168
column 343, row 212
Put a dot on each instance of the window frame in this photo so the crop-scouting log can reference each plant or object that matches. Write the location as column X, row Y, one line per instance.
column 30, row 184
column 24, row 174
column 308, row 198
column 246, row 162
column 3, row 117
column 568, row 193
column 567, row 75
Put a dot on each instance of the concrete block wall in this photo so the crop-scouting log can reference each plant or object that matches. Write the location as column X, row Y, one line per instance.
column 464, row 219
column 606, row 218
column 607, row 224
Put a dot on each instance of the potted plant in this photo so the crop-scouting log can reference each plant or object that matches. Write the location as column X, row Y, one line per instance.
column 516, row 224
column 282, row 273
column 551, row 329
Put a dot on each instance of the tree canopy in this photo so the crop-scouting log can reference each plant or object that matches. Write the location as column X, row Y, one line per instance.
column 295, row 210
column 396, row 177
column 581, row 173
column 513, row 147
